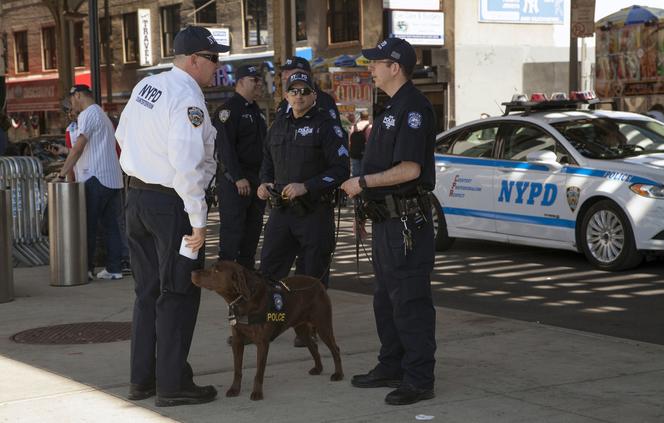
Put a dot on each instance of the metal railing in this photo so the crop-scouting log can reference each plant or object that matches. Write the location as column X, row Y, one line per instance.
column 24, row 177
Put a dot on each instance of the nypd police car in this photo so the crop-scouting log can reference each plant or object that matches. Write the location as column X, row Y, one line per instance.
column 555, row 174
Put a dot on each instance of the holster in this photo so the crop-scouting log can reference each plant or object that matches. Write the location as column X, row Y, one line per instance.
column 395, row 206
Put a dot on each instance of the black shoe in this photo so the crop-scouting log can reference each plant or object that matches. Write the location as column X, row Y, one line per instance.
column 189, row 396
column 299, row 342
column 374, row 380
column 139, row 392
column 408, row 394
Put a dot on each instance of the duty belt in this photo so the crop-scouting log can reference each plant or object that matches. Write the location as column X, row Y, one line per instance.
column 134, row 182
column 395, row 206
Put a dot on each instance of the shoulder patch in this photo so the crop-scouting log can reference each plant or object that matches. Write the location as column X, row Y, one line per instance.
column 414, row 120
column 338, row 131
column 224, row 115
column 333, row 114
column 196, row 116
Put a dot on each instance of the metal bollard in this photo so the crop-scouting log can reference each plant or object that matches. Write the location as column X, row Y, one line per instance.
column 6, row 264
column 67, row 233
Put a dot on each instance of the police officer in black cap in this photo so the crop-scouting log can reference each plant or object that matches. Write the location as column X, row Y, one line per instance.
column 241, row 129
column 397, row 176
column 306, row 158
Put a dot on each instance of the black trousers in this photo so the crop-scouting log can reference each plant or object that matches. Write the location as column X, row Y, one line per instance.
column 241, row 221
column 403, row 307
column 166, row 305
column 287, row 234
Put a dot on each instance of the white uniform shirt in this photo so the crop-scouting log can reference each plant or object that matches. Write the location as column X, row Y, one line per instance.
column 167, row 138
column 80, row 163
column 99, row 158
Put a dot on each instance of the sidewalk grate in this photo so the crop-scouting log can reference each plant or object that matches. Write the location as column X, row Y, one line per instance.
column 76, row 333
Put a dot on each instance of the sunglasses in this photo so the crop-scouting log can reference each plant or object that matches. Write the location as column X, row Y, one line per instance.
column 302, row 91
column 214, row 58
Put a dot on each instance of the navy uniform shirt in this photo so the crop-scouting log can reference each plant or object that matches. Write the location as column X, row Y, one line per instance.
column 405, row 131
column 241, row 129
column 312, row 150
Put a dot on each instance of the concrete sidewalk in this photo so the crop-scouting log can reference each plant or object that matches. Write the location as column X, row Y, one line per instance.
column 489, row 369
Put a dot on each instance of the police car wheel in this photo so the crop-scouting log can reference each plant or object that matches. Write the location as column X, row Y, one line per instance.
column 607, row 239
column 443, row 241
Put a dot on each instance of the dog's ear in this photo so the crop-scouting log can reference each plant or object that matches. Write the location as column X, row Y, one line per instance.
column 240, row 283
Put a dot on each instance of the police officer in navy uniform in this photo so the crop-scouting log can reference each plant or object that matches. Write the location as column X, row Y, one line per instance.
column 241, row 129
column 167, row 142
column 306, row 158
column 397, row 176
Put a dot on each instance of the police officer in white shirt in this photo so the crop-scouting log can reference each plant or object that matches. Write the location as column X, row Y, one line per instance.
column 167, row 142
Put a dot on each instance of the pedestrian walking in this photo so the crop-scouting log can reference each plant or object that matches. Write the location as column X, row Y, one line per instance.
column 167, row 142
column 396, row 178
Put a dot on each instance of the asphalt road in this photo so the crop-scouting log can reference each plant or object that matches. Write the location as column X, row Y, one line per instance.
column 552, row 287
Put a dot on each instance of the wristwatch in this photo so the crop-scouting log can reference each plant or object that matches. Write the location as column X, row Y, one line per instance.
column 363, row 182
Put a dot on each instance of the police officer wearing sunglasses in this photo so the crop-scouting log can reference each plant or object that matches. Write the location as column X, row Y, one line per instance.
column 241, row 129
column 167, row 142
column 306, row 158
column 397, row 175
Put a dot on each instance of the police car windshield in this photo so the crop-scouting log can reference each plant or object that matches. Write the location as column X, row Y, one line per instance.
column 607, row 138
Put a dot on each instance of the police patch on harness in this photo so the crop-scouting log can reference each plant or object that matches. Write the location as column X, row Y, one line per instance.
column 224, row 115
column 414, row 120
column 277, row 301
column 196, row 116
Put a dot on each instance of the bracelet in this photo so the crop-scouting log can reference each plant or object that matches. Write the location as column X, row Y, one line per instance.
column 363, row 182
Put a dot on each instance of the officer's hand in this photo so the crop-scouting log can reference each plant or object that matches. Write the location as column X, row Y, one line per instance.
column 262, row 192
column 359, row 229
column 243, row 187
column 293, row 190
column 352, row 187
column 196, row 239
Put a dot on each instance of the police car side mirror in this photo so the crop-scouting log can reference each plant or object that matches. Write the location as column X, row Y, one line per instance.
column 545, row 158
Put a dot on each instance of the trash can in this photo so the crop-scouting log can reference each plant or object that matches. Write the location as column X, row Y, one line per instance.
column 6, row 237
column 67, row 233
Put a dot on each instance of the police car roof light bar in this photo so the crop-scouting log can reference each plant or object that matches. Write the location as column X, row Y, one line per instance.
column 538, row 102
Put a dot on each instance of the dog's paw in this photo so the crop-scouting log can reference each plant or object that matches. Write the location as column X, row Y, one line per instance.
column 316, row 371
column 233, row 392
column 336, row 377
column 256, row 396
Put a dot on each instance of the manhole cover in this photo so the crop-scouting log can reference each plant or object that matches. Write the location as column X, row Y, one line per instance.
column 76, row 333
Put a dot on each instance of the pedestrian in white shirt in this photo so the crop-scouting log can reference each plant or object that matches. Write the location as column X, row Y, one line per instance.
column 167, row 142
column 96, row 163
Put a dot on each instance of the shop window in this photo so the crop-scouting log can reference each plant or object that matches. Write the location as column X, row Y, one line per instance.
column 255, row 22
column 79, row 45
column 344, row 23
column 21, row 49
column 300, row 20
column 130, row 35
column 206, row 11
column 49, row 50
column 170, row 25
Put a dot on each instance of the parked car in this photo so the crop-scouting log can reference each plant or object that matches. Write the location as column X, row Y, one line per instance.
column 554, row 174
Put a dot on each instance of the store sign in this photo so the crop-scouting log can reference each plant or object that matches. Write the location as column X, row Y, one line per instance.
column 583, row 18
column 418, row 28
column 522, row 11
column 28, row 96
column 352, row 87
column 144, row 32
column 412, row 4
column 222, row 36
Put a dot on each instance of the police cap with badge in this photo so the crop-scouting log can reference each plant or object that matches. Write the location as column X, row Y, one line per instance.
column 305, row 78
column 194, row 39
column 298, row 63
column 394, row 49
column 246, row 70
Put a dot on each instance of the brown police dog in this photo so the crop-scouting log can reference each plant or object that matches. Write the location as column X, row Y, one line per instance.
column 306, row 306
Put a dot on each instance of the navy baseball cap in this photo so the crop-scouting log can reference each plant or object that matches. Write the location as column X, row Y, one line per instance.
column 395, row 49
column 80, row 88
column 193, row 39
column 246, row 70
column 300, row 77
column 297, row 62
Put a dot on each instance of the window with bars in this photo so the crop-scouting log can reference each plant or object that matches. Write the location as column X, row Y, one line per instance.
column 79, row 44
column 255, row 23
column 49, row 49
column 170, row 25
column 21, row 51
column 207, row 14
column 130, row 33
column 344, row 24
column 300, row 20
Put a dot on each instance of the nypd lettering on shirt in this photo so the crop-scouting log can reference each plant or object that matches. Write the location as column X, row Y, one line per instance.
column 305, row 130
column 414, row 120
column 389, row 121
column 148, row 96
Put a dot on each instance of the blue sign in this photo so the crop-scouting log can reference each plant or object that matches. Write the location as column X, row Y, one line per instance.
column 523, row 11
